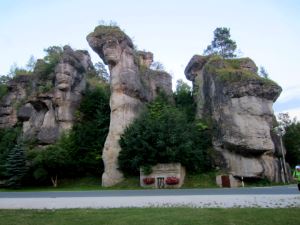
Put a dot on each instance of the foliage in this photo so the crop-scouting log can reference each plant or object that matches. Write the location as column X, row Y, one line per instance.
column 8, row 140
column 15, row 70
column 230, row 70
column 31, row 63
column 44, row 68
column 15, row 167
column 222, row 44
column 77, row 153
column 162, row 134
column 291, row 139
column 50, row 162
column 263, row 72
column 184, row 99
column 3, row 86
column 89, row 133
column 3, row 90
column 100, row 72
column 156, row 65
column 109, row 30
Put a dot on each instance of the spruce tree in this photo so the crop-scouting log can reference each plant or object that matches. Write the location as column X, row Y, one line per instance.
column 15, row 166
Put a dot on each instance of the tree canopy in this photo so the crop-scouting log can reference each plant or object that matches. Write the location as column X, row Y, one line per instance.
column 222, row 44
column 162, row 134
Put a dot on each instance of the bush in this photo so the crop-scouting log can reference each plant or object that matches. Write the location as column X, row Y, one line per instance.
column 163, row 134
column 3, row 90
column 51, row 162
column 184, row 99
column 89, row 133
column 291, row 141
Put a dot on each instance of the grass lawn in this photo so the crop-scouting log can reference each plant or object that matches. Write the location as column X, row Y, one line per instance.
column 207, row 180
column 156, row 216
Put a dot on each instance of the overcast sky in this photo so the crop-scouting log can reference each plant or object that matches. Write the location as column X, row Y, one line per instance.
column 266, row 31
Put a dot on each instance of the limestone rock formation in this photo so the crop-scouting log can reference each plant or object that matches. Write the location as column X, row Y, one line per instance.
column 45, row 115
column 239, row 104
column 132, row 84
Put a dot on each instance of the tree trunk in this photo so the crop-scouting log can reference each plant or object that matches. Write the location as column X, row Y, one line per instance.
column 54, row 181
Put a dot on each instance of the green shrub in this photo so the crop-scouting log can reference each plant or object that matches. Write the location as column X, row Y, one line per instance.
column 52, row 162
column 291, row 141
column 162, row 134
column 89, row 133
column 184, row 99
column 3, row 90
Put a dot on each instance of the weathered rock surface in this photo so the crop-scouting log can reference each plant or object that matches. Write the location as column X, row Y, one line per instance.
column 46, row 115
column 17, row 93
column 239, row 103
column 132, row 84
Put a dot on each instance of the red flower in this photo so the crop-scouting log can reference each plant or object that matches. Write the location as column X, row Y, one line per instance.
column 148, row 180
column 172, row 180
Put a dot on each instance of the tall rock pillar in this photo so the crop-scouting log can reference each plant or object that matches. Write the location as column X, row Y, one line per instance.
column 127, row 95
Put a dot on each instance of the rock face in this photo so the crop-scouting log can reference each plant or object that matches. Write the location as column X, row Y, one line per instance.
column 17, row 93
column 132, row 84
column 46, row 115
column 239, row 104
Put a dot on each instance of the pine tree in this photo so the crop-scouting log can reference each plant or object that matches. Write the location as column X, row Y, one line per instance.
column 16, row 166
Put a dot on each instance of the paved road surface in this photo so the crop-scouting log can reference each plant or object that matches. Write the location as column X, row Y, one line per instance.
column 279, row 196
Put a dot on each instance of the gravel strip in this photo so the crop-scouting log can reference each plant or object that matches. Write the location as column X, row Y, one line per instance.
column 211, row 201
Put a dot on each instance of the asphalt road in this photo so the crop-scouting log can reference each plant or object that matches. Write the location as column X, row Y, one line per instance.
column 275, row 190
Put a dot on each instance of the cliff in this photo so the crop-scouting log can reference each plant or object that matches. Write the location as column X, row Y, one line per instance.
column 238, row 102
column 45, row 105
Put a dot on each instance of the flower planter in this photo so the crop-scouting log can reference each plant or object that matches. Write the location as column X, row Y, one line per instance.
column 172, row 180
column 149, row 180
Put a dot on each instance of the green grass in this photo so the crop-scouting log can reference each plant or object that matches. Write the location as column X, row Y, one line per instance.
column 207, row 180
column 157, row 216
column 82, row 184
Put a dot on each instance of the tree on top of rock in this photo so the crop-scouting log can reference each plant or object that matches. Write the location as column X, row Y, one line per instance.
column 222, row 44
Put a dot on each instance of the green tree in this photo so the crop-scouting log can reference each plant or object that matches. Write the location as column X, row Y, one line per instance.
column 31, row 63
column 156, row 65
column 51, row 163
column 263, row 72
column 222, row 44
column 77, row 153
column 101, row 71
column 90, row 131
column 15, row 70
column 44, row 68
column 291, row 138
column 163, row 134
column 15, row 167
column 184, row 99
column 8, row 139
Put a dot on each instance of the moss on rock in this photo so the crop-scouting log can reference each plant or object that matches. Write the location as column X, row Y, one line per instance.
column 235, row 70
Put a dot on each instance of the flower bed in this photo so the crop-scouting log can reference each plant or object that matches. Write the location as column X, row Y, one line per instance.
column 149, row 180
column 172, row 180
